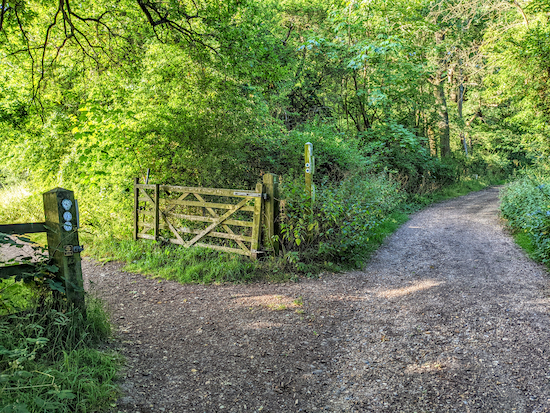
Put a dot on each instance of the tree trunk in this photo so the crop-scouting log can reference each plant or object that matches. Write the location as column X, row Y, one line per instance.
column 443, row 123
column 460, row 101
column 441, row 102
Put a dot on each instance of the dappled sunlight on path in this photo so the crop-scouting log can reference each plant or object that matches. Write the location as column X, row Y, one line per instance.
column 456, row 318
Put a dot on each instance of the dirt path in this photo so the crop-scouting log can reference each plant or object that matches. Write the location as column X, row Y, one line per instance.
column 449, row 316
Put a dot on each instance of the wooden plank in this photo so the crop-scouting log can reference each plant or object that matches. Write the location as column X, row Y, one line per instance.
column 213, row 234
column 171, row 227
column 256, row 229
column 224, row 235
column 237, row 223
column 13, row 270
column 144, row 199
column 225, row 249
column 206, row 204
column 147, row 197
column 180, row 199
column 136, row 207
column 214, row 247
column 218, row 221
column 20, row 229
column 237, row 193
column 146, row 236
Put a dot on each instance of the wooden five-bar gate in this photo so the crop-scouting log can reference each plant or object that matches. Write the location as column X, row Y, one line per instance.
column 231, row 219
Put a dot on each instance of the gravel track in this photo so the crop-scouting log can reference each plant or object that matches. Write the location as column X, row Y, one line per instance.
column 449, row 315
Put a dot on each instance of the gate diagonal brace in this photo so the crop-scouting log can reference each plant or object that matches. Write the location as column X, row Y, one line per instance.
column 217, row 222
column 226, row 227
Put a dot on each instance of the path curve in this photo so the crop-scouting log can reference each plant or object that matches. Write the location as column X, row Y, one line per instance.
column 454, row 318
column 449, row 315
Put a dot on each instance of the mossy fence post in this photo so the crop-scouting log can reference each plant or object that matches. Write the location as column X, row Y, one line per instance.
column 271, row 211
column 60, row 210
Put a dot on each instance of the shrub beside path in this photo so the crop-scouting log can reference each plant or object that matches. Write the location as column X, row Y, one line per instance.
column 449, row 315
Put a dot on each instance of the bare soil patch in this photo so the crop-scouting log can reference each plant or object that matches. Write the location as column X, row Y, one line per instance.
column 450, row 315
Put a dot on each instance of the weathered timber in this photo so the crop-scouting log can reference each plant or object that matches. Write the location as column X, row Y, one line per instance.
column 146, row 236
column 61, row 235
column 173, row 205
column 136, row 208
column 224, row 235
column 309, row 170
column 206, row 204
column 171, row 227
column 157, row 210
column 224, row 226
column 215, row 214
column 20, row 229
column 218, row 221
column 271, row 212
column 216, row 247
column 238, row 223
column 256, row 228
column 234, row 193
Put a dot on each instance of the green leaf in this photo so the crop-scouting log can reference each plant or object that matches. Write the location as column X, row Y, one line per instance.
column 56, row 286
column 66, row 395
column 15, row 408
column 52, row 268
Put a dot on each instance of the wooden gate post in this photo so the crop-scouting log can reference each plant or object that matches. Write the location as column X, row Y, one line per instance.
column 61, row 228
column 157, row 212
column 256, row 227
column 271, row 214
column 136, row 208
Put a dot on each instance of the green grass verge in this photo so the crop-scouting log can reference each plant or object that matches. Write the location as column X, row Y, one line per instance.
column 174, row 262
column 201, row 265
column 524, row 241
column 50, row 361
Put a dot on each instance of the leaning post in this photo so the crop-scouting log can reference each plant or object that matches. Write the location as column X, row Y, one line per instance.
column 61, row 224
column 271, row 211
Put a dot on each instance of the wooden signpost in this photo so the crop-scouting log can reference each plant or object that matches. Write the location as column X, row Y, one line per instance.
column 61, row 228
column 60, row 210
column 309, row 170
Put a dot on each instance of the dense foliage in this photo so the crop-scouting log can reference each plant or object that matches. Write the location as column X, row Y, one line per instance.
column 526, row 206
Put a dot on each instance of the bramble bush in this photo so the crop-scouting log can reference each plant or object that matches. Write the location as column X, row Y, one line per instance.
column 338, row 228
column 526, row 206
